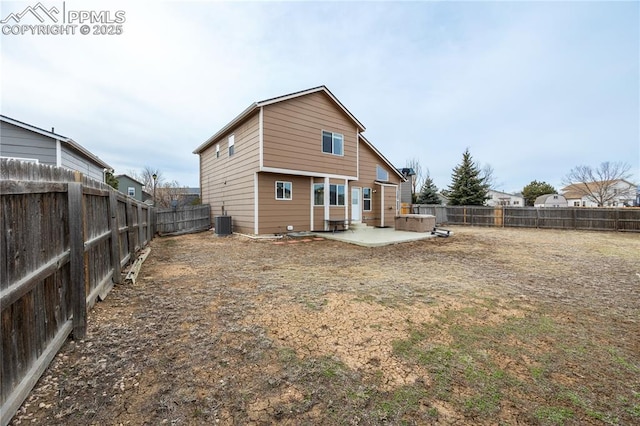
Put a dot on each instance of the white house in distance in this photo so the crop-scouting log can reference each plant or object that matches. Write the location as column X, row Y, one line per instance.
column 497, row 198
column 623, row 193
column 550, row 200
column 22, row 141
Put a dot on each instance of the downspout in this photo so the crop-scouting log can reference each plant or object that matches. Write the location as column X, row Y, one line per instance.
column 311, row 208
column 382, row 206
column 58, row 153
column 327, row 208
column 255, row 203
column 347, row 200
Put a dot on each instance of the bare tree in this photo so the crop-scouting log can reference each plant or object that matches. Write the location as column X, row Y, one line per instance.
column 600, row 184
column 418, row 178
column 146, row 177
column 488, row 175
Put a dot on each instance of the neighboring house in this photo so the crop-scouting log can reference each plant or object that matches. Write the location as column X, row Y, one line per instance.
column 550, row 200
column 130, row 186
column 293, row 163
column 406, row 188
column 25, row 142
column 621, row 193
column 497, row 198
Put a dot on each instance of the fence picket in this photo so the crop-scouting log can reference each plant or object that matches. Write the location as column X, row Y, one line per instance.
column 582, row 218
column 62, row 247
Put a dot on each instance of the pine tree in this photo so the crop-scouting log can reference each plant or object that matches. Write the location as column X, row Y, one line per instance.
column 468, row 187
column 429, row 192
column 536, row 189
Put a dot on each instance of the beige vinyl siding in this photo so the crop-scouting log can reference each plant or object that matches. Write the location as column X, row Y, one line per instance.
column 369, row 160
column 227, row 183
column 276, row 215
column 292, row 133
column 390, row 205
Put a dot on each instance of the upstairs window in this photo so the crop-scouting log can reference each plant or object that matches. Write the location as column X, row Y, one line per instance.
column 232, row 142
column 332, row 143
column 283, row 190
column 381, row 174
column 131, row 191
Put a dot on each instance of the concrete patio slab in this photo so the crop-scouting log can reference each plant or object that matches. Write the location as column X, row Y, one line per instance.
column 375, row 237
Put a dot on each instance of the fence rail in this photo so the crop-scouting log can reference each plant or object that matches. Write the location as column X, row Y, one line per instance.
column 65, row 240
column 183, row 220
column 584, row 218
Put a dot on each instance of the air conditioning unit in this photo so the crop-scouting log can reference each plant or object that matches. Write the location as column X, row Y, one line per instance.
column 222, row 225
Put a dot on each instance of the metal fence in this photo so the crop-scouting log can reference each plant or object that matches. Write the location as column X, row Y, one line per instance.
column 65, row 241
column 183, row 220
column 583, row 218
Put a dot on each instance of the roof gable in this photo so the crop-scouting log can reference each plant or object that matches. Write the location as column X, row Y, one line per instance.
column 382, row 157
column 130, row 178
column 254, row 107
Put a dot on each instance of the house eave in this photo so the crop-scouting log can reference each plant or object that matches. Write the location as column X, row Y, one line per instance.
column 63, row 139
column 379, row 154
column 257, row 105
column 243, row 115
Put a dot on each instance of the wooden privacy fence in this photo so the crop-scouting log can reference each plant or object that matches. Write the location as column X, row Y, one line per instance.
column 583, row 218
column 183, row 220
column 65, row 239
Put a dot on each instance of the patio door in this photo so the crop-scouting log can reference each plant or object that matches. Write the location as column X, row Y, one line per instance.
column 356, row 208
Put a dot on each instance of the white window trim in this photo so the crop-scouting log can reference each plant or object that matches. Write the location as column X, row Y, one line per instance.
column 370, row 199
column 379, row 168
column 129, row 188
column 332, row 147
column 313, row 194
column 231, row 144
column 345, row 196
column 217, row 150
column 283, row 192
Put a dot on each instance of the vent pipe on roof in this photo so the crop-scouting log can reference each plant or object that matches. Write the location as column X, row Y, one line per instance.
column 53, row 130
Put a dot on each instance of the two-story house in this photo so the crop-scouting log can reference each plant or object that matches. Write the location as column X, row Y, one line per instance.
column 499, row 198
column 26, row 142
column 613, row 193
column 130, row 186
column 293, row 163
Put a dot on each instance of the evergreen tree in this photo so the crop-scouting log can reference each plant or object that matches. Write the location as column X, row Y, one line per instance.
column 111, row 179
column 536, row 189
column 429, row 192
column 468, row 187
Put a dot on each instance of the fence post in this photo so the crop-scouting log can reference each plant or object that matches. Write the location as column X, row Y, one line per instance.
column 130, row 231
column 140, row 227
column 115, row 237
column 76, row 260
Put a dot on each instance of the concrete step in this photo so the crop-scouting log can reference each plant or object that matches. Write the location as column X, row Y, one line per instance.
column 359, row 226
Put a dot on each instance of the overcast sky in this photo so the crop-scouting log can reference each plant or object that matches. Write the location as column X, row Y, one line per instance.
column 531, row 88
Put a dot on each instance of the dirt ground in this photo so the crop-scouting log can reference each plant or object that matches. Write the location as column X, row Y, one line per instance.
column 490, row 326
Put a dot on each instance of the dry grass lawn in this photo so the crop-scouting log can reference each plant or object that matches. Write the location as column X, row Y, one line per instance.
column 511, row 326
